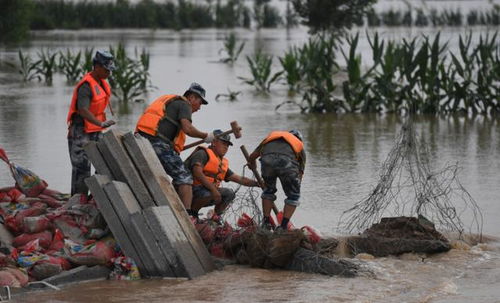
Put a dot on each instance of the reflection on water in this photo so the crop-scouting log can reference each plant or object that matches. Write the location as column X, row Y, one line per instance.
column 345, row 153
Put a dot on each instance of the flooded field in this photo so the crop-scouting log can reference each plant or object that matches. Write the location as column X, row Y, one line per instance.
column 345, row 153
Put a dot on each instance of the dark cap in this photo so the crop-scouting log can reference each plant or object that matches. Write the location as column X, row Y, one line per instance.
column 296, row 133
column 197, row 89
column 225, row 138
column 105, row 59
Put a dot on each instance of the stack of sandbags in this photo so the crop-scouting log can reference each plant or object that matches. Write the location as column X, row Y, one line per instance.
column 49, row 234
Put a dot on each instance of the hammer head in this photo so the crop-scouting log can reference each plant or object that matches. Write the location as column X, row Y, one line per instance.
column 236, row 129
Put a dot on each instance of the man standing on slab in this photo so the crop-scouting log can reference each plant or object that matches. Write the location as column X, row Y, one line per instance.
column 165, row 123
column 87, row 118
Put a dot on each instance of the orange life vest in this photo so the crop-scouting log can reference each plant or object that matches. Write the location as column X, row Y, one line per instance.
column 294, row 142
column 98, row 103
column 154, row 114
column 215, row 170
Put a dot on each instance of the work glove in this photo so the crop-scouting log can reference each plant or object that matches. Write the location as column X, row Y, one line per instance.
column 107, row 123
column 209, row 138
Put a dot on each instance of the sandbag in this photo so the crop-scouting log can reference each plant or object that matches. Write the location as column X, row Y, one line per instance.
column 20, row 275
column 33, row 225
column 26, row 181
column 98, row 253
column 8, row 279
column 45, row 270
column 45, row 238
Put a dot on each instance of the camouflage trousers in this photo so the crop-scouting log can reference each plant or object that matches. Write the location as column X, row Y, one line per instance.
column 171, row 161
column 227, row 194
column 77, row 138
column 286, row 169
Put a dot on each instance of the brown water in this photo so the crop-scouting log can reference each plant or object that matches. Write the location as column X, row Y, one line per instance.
column 345, row 153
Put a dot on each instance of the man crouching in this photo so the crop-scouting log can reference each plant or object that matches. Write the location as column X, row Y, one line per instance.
column 209, row 169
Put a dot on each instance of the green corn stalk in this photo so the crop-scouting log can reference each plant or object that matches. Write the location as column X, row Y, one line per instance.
column 70, row 65
column 260, row 68
column 48, row 65
column 131, row 78
column 87, row 64
column 292, row 69
column 231, row 48
column 28, row 69
column 356, row 89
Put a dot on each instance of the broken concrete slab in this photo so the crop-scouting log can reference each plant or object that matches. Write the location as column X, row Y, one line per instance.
column 78, row 274
column 125, row 205
column 173, row 242
column 96, row 184
column 163, row 193
column 97, row 160
column 122, row 167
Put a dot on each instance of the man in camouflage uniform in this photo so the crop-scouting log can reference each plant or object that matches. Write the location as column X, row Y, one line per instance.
column 282, row 156
column 165, row 123
column 209, row 169
column 86, row 117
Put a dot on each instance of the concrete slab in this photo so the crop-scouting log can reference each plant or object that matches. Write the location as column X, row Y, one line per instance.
column 96, row 185
column 122, row 166
column 163, row 193
column 173, row 242
column 125, row 204
column 96, row 159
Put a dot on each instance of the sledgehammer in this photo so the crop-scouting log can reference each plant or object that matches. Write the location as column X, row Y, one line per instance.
column 235, row 129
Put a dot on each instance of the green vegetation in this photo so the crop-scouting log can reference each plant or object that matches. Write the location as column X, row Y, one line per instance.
column 48, row 65
column 231, row 49
column 260, row 66
column 181, row 14
column 28, row 68
column 331, row 15
column 14, row 19
column 446, row 17
column 130, row 80
column 233, row 14
column 419, row 75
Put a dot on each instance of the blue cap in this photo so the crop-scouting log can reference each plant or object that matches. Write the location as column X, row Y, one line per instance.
column 197, row 89
column 296, row 133
column 226, row 138
column 105, row 59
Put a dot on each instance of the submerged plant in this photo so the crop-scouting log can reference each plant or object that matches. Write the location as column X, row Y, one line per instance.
column 290, row 63
column 70, row 65
column 48, row 65
column 131, row 78
column 88, row 55
column 28, row 69
column 231, row 95
column 260, row 66
column 231, row 48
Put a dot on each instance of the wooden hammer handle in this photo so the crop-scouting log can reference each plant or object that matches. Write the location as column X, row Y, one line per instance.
column 203, row 141
column 257, row 176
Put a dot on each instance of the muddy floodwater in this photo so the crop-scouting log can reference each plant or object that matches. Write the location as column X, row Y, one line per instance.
column 345, row 154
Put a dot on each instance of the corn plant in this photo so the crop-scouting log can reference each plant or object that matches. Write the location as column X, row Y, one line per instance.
column 292, row 69
column 28, row 69
column 356, row 89
column 230, row 96
column 48, row 65
column 260, row 66
column 131, row 78
column 318, row 65
column 87, row 62
column 70, row 65
column 231, row 48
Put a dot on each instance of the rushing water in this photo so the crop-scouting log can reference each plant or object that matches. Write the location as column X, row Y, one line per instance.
column 345, row 154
